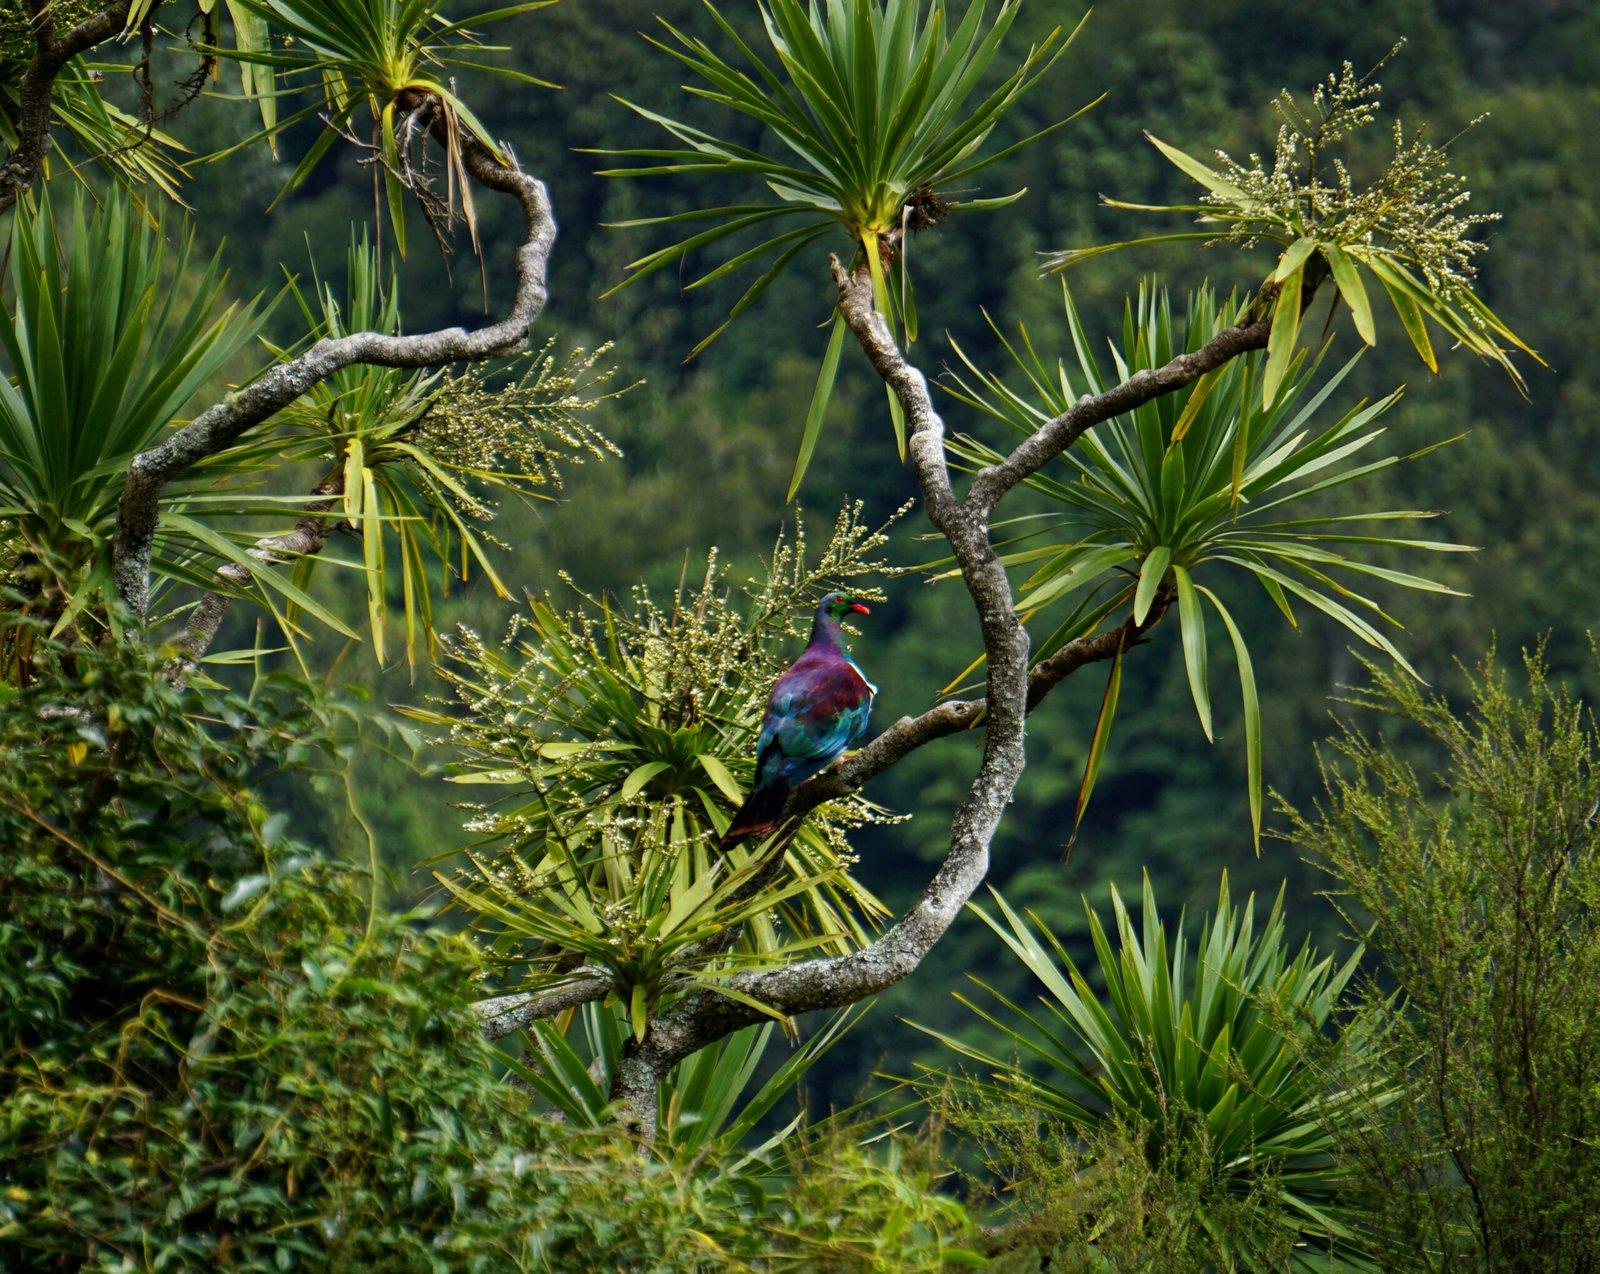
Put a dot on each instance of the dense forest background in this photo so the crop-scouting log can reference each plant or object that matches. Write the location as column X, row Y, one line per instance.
column 708, row 445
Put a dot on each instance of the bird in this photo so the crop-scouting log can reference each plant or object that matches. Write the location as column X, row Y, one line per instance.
column 818, row 709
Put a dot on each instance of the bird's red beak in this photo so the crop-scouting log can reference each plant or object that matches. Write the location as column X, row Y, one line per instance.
column 858, row 606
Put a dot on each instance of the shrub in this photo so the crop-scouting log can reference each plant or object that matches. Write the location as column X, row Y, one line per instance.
column 1176, row 1122
column 217, row 1053
column 1479, row 889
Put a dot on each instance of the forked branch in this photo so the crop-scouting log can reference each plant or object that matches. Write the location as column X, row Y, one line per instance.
column 1013, row 688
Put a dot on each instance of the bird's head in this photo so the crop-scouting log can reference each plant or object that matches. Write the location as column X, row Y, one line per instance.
column 838, row 605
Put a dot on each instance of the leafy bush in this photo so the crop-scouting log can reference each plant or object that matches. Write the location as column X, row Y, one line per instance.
column 1480, row 890
column 213, row 1051
column 216, row 1053
column 1176, row 1122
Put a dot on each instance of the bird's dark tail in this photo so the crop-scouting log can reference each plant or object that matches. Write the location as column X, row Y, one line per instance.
column 758, row 815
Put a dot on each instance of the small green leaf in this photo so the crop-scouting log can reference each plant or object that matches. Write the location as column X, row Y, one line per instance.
column 1241, row 435
column 1193, row 624
column 1293, row 258
column 393, row 189
column 1207, row 177
column 819, row 405
column 634, row 783
column 726, row 783
column 1347, row 278
column 1285, row 331
column 1411, row 319
column 637, row 1012
column 1151, row 572
column 1198, row 393
column 897, row 422
column 1097, row 745
column 496, row 777
column 1252, row 713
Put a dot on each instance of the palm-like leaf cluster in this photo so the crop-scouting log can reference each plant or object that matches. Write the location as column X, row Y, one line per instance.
column 708, row 1103
column 108, row 337
column 622, row 742
column 873, row 105
column 1406, row 231
column 1214, row 1045
column 391, row 56
column 1206, row 476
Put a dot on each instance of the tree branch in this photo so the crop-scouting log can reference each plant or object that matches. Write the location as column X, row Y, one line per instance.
column 700, row 1018
column 1030, row 455
column 507, row 1014
column 220, row 425
column 35, row 90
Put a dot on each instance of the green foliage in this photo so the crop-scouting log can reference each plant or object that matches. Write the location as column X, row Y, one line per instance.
column 1203, row 475
column 1405, row 230
column 873, row 107
column 213, row 1052
column 216, row 1054
column 1098, row 1201
column 1202, row 1061
column 869, row 1208
column 105, row 351
column 416, row 452
column 1480, row 888
column 621, row 740
column 837, row 1195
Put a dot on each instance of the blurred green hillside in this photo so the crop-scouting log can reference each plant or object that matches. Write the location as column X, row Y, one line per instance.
column 709, row 445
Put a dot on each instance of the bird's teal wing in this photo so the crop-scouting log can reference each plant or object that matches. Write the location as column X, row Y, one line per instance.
column 815, row 714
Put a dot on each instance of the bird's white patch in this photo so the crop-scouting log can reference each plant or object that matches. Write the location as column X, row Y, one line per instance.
column 851, row 664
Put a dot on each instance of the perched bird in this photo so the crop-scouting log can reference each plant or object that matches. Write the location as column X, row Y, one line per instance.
column 818, row 709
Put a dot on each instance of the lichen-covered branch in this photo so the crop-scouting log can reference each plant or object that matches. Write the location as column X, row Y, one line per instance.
column 507, row 1014
column 990, row 485
column 698, row 1019
column 220, row 425
column 51, row 52
column 1013, row 691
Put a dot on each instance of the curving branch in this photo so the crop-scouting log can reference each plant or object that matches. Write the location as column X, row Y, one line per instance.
column 220, row 425
column 1013, row 691
column 700, row 1018
column 989, row 485
column 51, row 53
